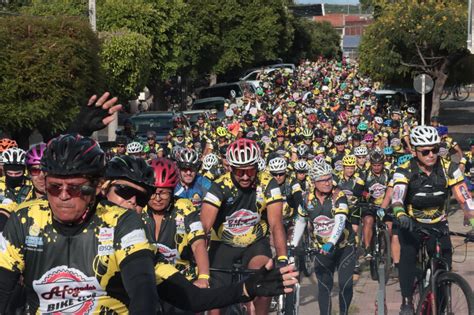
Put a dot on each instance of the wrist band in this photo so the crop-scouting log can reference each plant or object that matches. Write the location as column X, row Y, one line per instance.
column 204, row 276
column 397, row 210
column 282, row 258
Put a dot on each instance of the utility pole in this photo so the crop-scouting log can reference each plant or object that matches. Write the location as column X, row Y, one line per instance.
column 470, row 18
column 92, row 18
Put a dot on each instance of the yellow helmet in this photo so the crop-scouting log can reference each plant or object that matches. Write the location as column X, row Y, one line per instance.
column 221, row 131
column 349, row 160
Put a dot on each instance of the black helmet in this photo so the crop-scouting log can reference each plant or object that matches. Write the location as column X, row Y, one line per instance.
column 395, row 124
column 377, row 157
column 73, row 155
column 248, row 117
column 318, row 133
column 357, row 137
column 131, row 168
column 121, row 140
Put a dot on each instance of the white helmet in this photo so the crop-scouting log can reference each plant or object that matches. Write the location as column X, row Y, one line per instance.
column 277, row 164
column 424, row 136
column 262, row 164
column 411, row 110
column 243, row 152
column 301, row 165
column 378, row 120
column 209, row 161
column 14, row 156
column 339, row 139
column 134, row 147
column 302, row 150
column 319, row 169
column 361, row 151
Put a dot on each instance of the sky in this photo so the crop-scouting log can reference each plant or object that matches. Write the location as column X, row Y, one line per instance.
column 328, row 1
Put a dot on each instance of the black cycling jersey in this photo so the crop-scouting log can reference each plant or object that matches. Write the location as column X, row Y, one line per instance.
column 292, row 195
column 242, row 216
column 376, row 186
column 426, row 195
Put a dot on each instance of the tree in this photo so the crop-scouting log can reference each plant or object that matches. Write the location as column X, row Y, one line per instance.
column 126, row 61
column 313, row 39
column 49, row 68
column 412, row 37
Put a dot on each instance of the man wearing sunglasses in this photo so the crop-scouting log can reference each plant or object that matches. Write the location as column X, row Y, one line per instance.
column 421, row 187
column 243, row 207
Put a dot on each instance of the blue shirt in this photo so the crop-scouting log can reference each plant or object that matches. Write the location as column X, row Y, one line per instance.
column 195, row 192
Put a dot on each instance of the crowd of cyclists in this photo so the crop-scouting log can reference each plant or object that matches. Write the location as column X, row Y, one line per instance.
column 145, row 227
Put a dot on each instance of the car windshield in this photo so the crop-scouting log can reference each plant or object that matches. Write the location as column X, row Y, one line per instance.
column 217, row 105
column 155, row 123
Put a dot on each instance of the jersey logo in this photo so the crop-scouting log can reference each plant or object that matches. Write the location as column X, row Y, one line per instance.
column 67, row 290
column 323, row 226
column 377, row 190
column 169, row 254
column 241, row 221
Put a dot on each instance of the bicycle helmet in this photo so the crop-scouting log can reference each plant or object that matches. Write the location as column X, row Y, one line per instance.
column 243, row 152
column 34, row 154
column 221, row 131
column 387, row 122
column 319, row 169
column 361, row 151
column 69, row 155
column 277, row 164
column 6, row 144
column 424, row 136
column 369, row 137
column 132, row 169
column 188, row 158
column 262, row 165
column 280, row 133
column 377, row 157
column 209, row 161
column 388, row 151
column 318, row 133
column 353, row 121
column 362, row 126
column 339, row 139
column 312, row 118
column 134, row 148
column 166, row 173
column 411, row 110
column 378, row 120
column 307, row 133
column 442, row 130
column 301, row 166
column 404, row 158
column 14, row 156
column 349, row 160
column 302, row 150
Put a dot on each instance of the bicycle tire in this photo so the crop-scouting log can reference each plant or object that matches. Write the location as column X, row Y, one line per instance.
column 375, row 261
column 444, row 280
column 290, row 307
column 386, row 252
column 445, row 94
column 306, row 261
column 462, row 94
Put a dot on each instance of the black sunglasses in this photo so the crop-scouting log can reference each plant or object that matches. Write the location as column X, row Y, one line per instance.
column 127, row 192
column 278, row 174
column 426, row 152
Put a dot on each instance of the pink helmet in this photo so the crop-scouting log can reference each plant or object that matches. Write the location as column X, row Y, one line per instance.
column 35, row 153
column 369, row 137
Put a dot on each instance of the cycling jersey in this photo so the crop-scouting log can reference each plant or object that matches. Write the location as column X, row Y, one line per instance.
column 376, row 186
column 242, row 216
column 321, row 217
column 426, row 195
column 180, row 228
column 292, row 196
column 72, row 271
column 17, row 194
column 195, row 192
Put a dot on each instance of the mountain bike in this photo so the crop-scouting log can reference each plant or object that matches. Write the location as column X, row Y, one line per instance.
column 438, row 290
column 305, row 261
column 459, row 93
column 239, row 273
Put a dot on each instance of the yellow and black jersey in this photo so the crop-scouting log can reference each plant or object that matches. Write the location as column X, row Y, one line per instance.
column 321, row 218
column 11, row 198
column 352, row 187
column 376, row 186
column 336, row 158
column 76, row 272
column 426, row 194
column 180, row 228
column 292, row 196
column 242, row 216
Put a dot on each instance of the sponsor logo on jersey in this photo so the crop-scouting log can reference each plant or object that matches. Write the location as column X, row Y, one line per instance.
column 241, row 221
column 67, row 290
column 180, row 229
column 168, row 253
column 134, row 237
column 3, row 243
column 323, row 225
column 377, row 190
column 105, row 249
column 196, row 200
column 106, row 234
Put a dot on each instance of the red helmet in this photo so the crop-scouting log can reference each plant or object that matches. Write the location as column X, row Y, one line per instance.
column 312, row 118
column 243, row 152
column 166, row 173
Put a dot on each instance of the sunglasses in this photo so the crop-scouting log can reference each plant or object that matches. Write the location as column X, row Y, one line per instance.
column 151, row 138
column 72, row 190
column 121, row 145
column 426, row 152
column 277, row 174
column 241, row 172
column 126, row 192
column 34, row 171
column 164, row 195
column 301, row 172
column 187, row 169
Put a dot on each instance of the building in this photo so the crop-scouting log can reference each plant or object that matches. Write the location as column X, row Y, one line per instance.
column 350, row 26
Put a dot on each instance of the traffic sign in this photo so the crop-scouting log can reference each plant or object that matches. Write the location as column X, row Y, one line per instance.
column 418, row 83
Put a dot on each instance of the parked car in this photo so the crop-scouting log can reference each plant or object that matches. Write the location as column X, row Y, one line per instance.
column 227, row 90
column 160, row 122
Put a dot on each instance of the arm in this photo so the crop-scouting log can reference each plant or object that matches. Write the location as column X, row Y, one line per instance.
column 138, row 277
column 339, row 224
column 7, row 285
column 463, row 197
column 298, row 230
column 208, row 216
column 387, row 198
column 199, row 249
column 275, row 220
column 398, row 196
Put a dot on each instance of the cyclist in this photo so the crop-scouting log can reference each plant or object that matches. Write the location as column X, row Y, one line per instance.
column 210, row 167
column 5, row 144
column 301, row 168
column 243, row 206
column 338, row 152
column 327, row 210
column 362, row 164
column 120, row 145
column 468, row 165
column 16, row 187
column 152, row 148
column 33, row 165
column 135, row 149
column 419, row 194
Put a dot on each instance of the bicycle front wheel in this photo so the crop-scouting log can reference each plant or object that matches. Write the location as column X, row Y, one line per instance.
column 462, row 93
column 445, row 94
column 453, row 296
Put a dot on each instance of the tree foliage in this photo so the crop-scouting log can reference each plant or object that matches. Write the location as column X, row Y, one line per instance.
column 49, row 67
column 126, row 62
column 56, row 7
column 313, row 39
column 411, row 37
